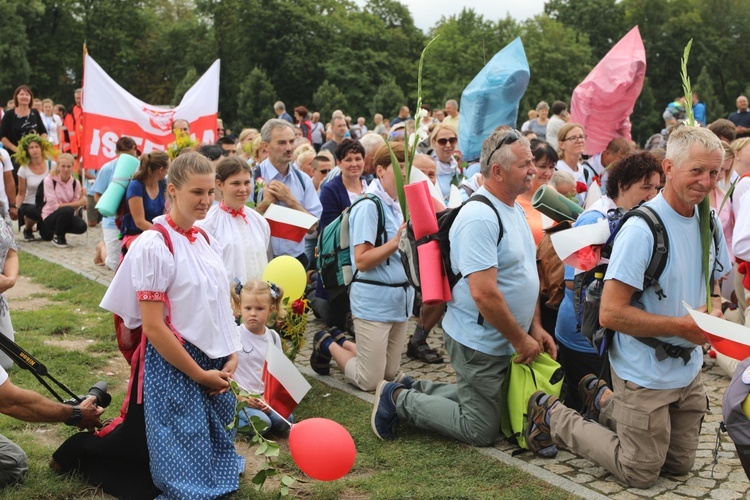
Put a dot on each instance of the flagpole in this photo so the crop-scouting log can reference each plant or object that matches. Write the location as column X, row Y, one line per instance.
column 290, row 424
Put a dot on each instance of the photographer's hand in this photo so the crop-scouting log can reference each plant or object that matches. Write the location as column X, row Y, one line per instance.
column 90, row 414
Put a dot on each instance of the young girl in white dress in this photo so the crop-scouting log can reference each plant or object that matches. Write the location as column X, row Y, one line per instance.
column 242, row 233
column 182, row 300
column 257, row 301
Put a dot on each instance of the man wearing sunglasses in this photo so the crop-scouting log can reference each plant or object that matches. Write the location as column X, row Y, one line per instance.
column 493, row 312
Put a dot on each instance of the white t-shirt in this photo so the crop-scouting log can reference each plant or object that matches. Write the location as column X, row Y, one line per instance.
column 252, row 356
column 32, row 181
column 52, row 123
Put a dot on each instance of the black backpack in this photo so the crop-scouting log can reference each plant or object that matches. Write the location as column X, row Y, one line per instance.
column 39, row 200
column 408, row 244
column 587, row 312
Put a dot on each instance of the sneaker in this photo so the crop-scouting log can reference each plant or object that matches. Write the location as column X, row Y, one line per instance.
column 404, row 379
column 28, row 235
column 588, row 389
column 537, row 433
column 319, row 362
column 384, row 418
column 59, row 241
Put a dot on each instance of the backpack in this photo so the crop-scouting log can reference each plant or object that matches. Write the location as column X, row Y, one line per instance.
column 129, row 340
column 587, row 313
column 735, row 408
column 256, row 176
column 335, row 263
column 521, row 381
column 408, row 244
column 39, row 199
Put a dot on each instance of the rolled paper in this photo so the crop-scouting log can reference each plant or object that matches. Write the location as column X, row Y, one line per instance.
column 568, row 241
column 431, row 273
column 554, row 205
column 112, row 197
column 730, row 339
column 419, row 200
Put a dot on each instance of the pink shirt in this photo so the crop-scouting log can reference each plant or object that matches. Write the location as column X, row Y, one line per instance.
column 59, row 192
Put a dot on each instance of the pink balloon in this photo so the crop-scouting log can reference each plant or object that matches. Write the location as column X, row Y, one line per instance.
column 322, row 448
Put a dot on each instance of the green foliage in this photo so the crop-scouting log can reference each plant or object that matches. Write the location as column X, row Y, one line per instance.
column 187, row 81
column 603, row 21
column 704, row 85
column 327, row 99
column 255, row 100
column 388, row 99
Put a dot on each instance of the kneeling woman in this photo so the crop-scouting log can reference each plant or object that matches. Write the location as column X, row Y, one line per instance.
column 188, row 358
column 380, row 294
column 63, row 196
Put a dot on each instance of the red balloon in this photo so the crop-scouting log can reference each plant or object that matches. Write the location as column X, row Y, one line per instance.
column 322, row 448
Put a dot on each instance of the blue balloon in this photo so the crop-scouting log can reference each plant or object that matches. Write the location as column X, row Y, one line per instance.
column 492, row 98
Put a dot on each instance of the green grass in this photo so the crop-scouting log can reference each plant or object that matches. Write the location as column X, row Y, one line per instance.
column 416, row 465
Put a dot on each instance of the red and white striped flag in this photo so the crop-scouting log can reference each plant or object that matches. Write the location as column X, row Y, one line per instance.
column 289, row 224
column 284, row 384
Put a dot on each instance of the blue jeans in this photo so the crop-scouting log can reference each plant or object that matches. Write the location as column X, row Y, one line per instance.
column 273, row 422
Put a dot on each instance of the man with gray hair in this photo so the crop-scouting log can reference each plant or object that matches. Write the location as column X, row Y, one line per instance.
column 280, row 109
column 451, row 114
column 284, row 185
column 493, row 312
column 652, row 420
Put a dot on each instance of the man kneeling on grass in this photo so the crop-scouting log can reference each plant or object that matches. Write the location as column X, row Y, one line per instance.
column 651, row 422
column 493, row 312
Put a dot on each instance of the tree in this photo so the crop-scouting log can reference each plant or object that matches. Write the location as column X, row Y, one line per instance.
column 327, row 99
column 704, row 86
column 387, row 99
column 646, row 117
column 190, row 78
column 603, row 21
column 255, row 100
column 558, row 60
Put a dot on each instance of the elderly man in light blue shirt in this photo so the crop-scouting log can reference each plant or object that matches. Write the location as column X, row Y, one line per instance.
column 284, row 185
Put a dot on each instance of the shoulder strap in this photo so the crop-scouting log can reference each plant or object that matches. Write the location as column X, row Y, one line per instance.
column 661, row 246
column 299, row 177
column 165, row 234
column 486, row 201
column 381, row 235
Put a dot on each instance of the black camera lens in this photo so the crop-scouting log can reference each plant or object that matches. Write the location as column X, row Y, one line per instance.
column 99, row 391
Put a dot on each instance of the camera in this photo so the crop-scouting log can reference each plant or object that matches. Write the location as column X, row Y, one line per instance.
column 99, row 391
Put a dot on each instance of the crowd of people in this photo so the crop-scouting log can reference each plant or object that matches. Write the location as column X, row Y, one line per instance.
column 191, row 245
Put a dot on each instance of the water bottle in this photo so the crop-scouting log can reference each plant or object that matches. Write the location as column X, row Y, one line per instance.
column 590, row 316
column 594, row 290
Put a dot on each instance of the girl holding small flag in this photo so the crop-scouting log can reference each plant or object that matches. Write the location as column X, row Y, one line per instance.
column 257, row 300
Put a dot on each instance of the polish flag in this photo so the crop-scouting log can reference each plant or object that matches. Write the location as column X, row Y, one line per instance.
column 289, row 224
column 284, row 385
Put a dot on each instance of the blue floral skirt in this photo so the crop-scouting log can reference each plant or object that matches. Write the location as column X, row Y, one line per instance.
column 191, row 453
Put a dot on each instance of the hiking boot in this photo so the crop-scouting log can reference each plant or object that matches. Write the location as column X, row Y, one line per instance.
column 404, row 379
column 59, row 241
column 384, row 418
column 537, row 432
column 423, row 352
column 320, row 362
column 589, row 389
column 28, row 235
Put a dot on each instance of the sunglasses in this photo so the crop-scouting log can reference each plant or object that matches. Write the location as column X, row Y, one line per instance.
column 325, row 171
column 443, row 141
column 509, row 139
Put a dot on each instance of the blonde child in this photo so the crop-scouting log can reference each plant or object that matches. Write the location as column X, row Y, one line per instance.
column 257, row 300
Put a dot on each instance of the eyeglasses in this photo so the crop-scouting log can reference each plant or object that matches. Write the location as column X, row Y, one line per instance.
column 445, row 140
column 325, row 171
column 220, row 130
column 509, row 139
column 576, row 138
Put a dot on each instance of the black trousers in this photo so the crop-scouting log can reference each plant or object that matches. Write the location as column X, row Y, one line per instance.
column 577, row 365
column 61, row 222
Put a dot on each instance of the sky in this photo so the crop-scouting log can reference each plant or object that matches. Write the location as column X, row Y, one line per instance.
column 427, row 13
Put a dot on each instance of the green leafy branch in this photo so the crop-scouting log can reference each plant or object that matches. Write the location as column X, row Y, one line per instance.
column 410, row 142
column 704, row 207
column 269, row 449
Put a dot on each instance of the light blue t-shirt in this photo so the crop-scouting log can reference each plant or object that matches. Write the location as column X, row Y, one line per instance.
column 304, row 192
column 566, row 328
column 681, row 280
column 474, row 247
column 376, row 302
column 100, row 186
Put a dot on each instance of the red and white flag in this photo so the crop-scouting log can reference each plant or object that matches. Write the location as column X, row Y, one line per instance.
column 287, row 223
column 284, row 384
column 110, row 112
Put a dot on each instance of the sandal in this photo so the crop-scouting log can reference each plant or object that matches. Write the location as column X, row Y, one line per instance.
column 338, row 336
column 588, row 395
column 319, row 362
column 537, row 432
column 423, row 352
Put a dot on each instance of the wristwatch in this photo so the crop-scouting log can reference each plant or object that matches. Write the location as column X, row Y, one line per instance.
column 75, row 418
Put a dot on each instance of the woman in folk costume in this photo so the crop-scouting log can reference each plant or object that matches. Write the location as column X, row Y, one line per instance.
column 242, row 233
column 182, row 299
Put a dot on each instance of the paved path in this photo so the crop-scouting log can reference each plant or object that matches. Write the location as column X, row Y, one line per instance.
column 725, row 480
